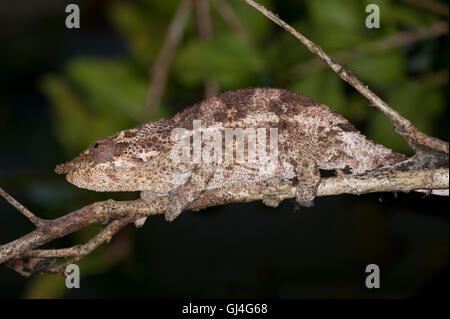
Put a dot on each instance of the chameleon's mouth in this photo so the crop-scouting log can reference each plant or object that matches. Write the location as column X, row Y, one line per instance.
column 84, row 173
column 71, row 166
column 65, row 168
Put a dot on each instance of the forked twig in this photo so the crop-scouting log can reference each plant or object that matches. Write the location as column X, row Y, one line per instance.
column 396, row 40
column 228, row 15
column 25, row 211
column 431, row 5
column 119, row 214
column 418, row 140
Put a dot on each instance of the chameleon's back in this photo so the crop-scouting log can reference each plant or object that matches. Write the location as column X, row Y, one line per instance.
column 304, row 125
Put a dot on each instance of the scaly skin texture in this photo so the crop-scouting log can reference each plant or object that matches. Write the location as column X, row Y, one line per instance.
column 311, row 136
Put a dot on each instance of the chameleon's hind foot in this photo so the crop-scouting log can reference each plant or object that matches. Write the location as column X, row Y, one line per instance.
column 304, row 196
column 308, row 176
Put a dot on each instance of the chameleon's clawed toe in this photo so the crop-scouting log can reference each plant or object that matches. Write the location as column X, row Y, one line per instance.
column 271, row 202
column 140, row 222
column 173, row 210
column 304, row 197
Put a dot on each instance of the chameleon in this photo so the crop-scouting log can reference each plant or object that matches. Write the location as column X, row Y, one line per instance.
column 310, row 137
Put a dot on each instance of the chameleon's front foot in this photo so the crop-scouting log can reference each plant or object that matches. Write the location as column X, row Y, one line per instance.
column 174, row 209
column 190, row 190
column 272, row 202
column 148, row 197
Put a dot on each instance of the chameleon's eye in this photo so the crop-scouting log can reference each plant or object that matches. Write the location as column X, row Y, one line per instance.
column 102, row 150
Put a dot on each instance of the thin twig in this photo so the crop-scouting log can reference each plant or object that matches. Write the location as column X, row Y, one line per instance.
column 439, row 77
column 119, row 214
column 431, row 5
column 204, row 22
column 75, row 253
column 228, row 15
column 79, row 252
column 205, row 30
column 161, row 66
column 99, row 212
column 103, row 236
column 27, row 213
column 418, row 140
column 399, row 39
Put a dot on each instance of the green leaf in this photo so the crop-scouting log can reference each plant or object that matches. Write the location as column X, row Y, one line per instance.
column 46, row 287
column 226, row 59
column 402, row 13
column 112, row 86
column 325, row 87
column 383, row 69
column 254, row 22
column 75, row 125
column 70, row 117
column 52, row 286
column 143, row 28
column 345, row 15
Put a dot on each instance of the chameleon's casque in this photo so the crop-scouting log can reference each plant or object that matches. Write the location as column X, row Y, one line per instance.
column 311, row 136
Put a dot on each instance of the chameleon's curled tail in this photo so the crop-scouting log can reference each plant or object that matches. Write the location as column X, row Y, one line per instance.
column 379, row 156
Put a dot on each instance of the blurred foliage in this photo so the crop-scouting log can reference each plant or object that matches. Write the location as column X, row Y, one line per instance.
column 53, row 286
column 232, row 63
column 99, row 96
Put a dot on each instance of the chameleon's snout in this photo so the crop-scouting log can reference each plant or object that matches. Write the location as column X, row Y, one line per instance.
column 64, row 168
column 73, row 165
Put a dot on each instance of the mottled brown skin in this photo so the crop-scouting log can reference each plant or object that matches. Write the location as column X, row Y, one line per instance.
column 311, row 136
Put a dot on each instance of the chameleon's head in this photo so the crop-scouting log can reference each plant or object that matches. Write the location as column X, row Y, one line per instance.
column 116, row 163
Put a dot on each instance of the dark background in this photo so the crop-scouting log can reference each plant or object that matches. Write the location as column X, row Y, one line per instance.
column 61, row 89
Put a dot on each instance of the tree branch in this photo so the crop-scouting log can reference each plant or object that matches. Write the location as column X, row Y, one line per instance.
column 383, row 44
column 28, row 214
column 76, row 252
column 118, row 214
